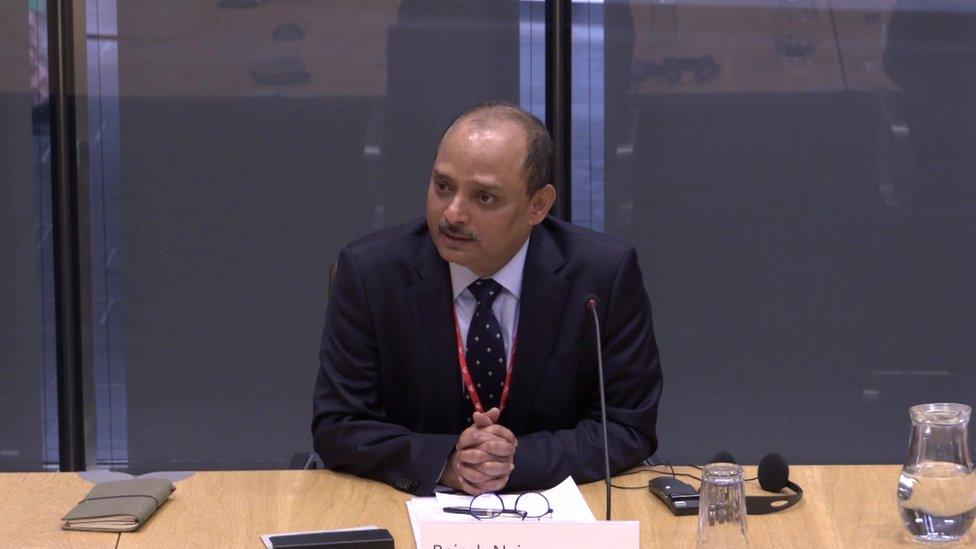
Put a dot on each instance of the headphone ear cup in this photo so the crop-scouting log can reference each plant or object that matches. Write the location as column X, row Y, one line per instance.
column 774, row 472
column 774, row 475
column 723, row 457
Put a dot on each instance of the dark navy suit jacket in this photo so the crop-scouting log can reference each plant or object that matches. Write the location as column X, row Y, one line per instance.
column 389, row 403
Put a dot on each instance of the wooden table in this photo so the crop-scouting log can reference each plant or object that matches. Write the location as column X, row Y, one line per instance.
column 31, row 507
column 843, row 506
column 847, row 55
column 201, row 49
column 741, row 40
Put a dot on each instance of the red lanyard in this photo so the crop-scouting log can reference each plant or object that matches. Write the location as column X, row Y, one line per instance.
column 466, row 374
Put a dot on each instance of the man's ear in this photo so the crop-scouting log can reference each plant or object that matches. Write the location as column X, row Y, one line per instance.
column 540, row 203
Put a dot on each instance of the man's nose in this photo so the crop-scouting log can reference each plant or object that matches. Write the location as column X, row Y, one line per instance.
column 457, row 211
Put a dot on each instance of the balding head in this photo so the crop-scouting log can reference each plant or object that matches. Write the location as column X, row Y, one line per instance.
column 537, row 164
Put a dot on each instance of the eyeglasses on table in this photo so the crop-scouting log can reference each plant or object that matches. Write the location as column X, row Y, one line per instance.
column 529, row 505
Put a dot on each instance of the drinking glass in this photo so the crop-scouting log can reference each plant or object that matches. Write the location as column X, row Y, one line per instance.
column 798, row 28
column 722, row 507
column 937, row 486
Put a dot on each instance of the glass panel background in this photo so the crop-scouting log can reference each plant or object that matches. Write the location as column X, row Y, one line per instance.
column 796, row 176
column 253, row 140
column 804, row 210
column 28, row 407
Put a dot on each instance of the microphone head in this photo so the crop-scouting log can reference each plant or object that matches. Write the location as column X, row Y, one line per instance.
column 774, row 472
column 591, row 301
column 723, row 457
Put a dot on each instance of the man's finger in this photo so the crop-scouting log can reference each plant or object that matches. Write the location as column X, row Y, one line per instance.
column 493, row 414
column 493, row 469
column 474, row 456
column 482, row 419
column 473, row 436
column 478, row 478
column 494, row 485
column 478, row 454
column 503, row 432
column 499, row 448
column 492, row 444
column 463, row 483
column 467, row 487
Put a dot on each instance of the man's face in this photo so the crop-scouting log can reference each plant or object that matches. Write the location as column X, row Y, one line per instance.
column 478, row 209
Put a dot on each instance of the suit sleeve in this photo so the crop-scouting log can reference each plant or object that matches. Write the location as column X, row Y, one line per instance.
column 350, row 428
column 633, row 388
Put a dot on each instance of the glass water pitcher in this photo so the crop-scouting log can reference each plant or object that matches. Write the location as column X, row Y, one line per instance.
column 937, row 486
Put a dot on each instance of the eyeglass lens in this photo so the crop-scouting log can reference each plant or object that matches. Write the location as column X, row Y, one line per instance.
column 486, row 506
column 533, row 504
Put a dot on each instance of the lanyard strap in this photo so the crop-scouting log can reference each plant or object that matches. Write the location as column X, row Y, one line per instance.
column 466, row 374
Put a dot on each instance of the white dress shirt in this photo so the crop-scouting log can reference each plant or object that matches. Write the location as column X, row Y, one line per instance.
column 506, row 305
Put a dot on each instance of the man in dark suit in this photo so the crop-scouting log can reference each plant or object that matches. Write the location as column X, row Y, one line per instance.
column 458, row 351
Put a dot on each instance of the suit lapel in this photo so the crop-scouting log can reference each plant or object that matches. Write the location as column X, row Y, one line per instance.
column 432, row 311
column 542, row 305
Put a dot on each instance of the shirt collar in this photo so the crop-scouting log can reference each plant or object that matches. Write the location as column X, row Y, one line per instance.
column 509, row 276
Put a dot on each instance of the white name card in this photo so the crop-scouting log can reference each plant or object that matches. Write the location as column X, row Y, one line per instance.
column 529, row 535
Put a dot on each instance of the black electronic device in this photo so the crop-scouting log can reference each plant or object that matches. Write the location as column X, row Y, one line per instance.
column 774, row 475
column 681, row 498
column 360, row 538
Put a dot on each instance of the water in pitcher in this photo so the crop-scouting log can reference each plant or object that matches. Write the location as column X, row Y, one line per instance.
column 937, row 500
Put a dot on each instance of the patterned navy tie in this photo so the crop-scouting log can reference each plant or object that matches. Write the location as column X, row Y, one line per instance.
column 486, row 346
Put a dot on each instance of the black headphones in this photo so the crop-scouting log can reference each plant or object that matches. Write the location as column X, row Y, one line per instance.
column 774, row 475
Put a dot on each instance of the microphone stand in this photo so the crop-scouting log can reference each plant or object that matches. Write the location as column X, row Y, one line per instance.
column 591, row 305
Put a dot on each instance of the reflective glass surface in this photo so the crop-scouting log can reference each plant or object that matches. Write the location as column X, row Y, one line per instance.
column 238, row 145
column 28, row 409
column 796, row 175
column 798, row 179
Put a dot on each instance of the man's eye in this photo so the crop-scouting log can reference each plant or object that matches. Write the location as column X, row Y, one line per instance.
column 486, row 198
column 440, row 186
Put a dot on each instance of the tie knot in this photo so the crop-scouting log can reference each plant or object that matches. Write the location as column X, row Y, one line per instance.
column 485, row 290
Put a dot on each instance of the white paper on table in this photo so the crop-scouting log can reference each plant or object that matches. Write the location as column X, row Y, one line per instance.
column 565, row 499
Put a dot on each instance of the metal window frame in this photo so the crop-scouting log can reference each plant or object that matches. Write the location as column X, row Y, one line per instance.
column 72, row 280
column 559, row 99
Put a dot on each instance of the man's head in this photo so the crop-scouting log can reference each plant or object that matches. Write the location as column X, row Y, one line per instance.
column 489, row 186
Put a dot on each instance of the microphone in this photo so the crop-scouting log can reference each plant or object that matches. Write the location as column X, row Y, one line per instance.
column 591, row 304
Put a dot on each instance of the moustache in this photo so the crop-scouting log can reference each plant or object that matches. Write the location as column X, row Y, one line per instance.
column 455, row 231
